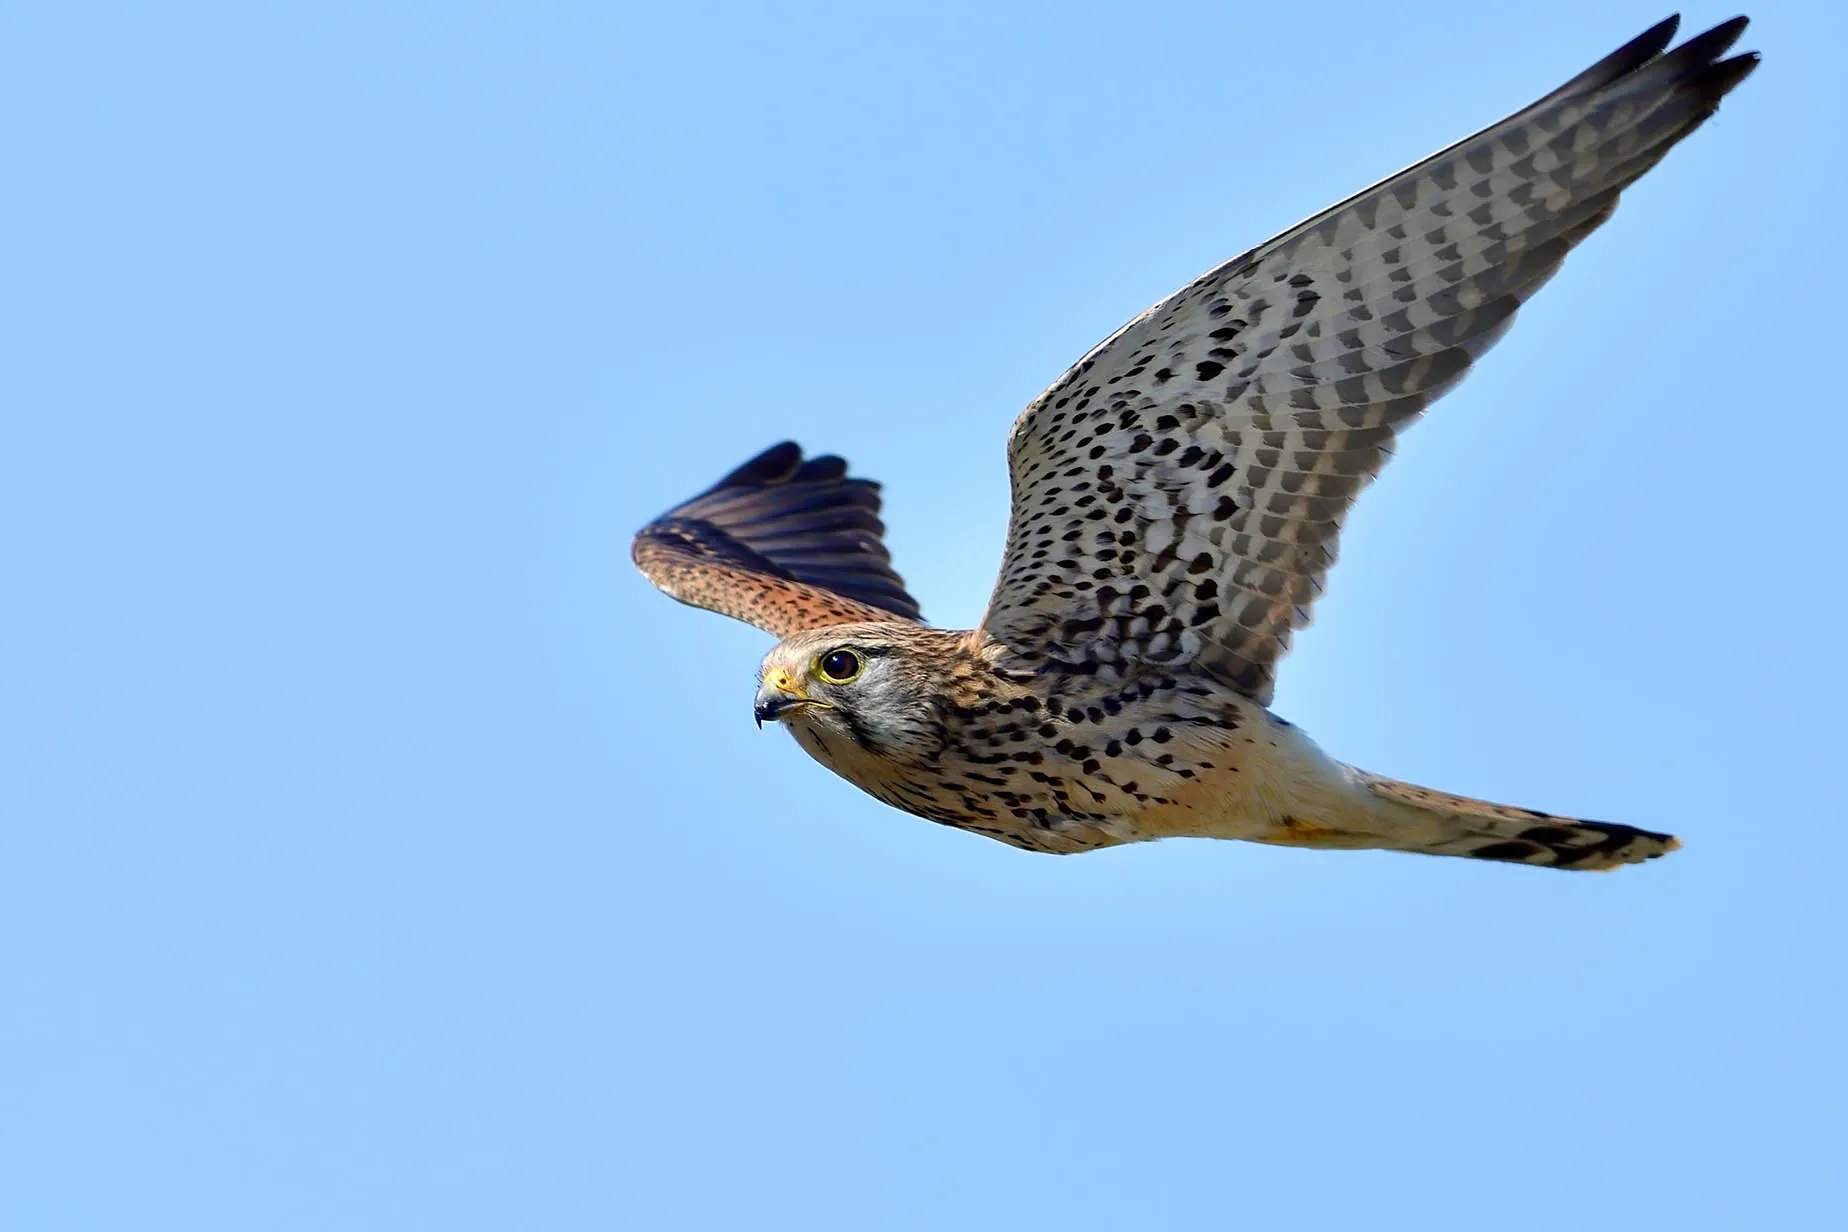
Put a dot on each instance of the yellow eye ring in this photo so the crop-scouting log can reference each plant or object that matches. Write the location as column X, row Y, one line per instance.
column 840, row 666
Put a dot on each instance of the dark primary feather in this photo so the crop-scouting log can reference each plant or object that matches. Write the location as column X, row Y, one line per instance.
column 1179, row 492
column 784, row 542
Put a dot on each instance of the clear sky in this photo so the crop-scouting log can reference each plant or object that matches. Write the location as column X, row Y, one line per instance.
column 378, row 850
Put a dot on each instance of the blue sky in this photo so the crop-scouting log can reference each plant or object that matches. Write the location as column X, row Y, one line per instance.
column 378, row 850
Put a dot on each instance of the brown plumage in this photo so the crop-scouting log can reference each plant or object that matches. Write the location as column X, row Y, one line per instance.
column 1177, row 498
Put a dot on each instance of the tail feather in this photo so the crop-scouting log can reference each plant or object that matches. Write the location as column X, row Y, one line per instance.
column 1438, row 823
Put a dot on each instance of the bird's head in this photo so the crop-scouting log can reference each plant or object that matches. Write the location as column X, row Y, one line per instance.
column 874, row 686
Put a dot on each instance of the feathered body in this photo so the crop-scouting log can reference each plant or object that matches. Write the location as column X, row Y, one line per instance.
column 953, row 727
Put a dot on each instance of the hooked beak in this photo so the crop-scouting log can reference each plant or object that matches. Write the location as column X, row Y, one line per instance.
column 773, row 708
column 778, row 696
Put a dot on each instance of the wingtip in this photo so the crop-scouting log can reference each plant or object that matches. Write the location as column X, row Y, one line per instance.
column 771, row 466
column 1661, row 34
column 1710, row 45
column 1650, row 43
column 1697, row 63
column 1736, row 24
column 825, row 466
column 784, row 462
column 1728, row 73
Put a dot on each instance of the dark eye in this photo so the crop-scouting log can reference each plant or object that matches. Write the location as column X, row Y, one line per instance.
column 840, row 666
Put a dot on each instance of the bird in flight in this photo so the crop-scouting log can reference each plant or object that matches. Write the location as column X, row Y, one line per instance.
column 1177, row 496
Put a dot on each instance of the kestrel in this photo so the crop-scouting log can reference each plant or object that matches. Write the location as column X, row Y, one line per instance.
column 1176, row 501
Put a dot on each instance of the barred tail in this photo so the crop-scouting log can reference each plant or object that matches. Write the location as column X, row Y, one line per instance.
column 1438, row 823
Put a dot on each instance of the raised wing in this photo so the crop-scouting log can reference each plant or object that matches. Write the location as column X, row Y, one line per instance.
column 1178, row 493
column 782, row 542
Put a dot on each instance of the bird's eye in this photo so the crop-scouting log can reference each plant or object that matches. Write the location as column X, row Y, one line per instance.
column 840, row 666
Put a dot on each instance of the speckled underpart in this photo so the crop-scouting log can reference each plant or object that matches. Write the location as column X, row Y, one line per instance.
column 1048, row 760
column 1178, row 495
